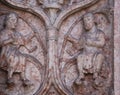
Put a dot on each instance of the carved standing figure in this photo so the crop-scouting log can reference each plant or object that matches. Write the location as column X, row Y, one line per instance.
column 11, row 41
column 90, row 60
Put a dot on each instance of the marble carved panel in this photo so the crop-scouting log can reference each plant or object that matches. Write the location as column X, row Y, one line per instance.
column 56, row 47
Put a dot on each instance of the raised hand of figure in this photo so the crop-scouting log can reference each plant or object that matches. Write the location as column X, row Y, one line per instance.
column 71, row 39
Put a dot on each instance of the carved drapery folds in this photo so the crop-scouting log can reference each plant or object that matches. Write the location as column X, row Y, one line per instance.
column 56, row 47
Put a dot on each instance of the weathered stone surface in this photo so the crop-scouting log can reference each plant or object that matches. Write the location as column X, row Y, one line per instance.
column 117, row 48
column 59, row 47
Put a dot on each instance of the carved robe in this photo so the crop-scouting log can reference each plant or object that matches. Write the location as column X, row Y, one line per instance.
column 92, row 52
column 10, row 50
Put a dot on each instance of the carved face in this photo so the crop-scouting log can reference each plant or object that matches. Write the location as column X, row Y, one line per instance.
column 88, row 21
column 11, row 21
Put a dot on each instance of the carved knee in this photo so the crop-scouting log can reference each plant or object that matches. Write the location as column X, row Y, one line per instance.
column 99, row 62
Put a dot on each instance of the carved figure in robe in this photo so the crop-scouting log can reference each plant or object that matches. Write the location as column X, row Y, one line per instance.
column 11, row 41
column 92, row 41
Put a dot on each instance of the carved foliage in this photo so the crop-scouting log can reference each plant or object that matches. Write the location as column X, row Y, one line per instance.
column 62, row 46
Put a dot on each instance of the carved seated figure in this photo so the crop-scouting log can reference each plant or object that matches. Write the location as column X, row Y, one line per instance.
column 90, row 60
column 10, row 41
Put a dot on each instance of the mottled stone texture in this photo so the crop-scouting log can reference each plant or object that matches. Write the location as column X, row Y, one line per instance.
column 59, row 47
column 117, row 47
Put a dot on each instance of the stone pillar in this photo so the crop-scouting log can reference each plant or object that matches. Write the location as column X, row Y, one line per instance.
column 117, row 47
column 52, row 49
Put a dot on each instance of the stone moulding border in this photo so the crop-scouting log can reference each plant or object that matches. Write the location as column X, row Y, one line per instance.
column 116, row 47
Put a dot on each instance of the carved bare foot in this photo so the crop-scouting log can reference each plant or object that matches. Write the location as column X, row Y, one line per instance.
column 79, row 80
column 95, row 75
column 27, row 82
column 98, row 82
column 10, row 82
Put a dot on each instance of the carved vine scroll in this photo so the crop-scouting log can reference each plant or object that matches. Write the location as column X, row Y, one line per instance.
column 56, row 47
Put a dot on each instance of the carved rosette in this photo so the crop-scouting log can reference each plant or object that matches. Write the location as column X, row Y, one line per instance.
column 54, row 55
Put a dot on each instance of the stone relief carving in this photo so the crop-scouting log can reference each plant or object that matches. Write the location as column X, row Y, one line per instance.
column 51, row 47
column 91, row 59
column 15, row 58
column 11, row 41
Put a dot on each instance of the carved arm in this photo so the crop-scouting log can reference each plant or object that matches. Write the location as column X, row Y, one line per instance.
column 4, row 40
column 99, row 42
column 71, row 39
column 29, row 37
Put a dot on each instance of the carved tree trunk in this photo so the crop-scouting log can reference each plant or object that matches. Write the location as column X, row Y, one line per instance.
column 58, row 47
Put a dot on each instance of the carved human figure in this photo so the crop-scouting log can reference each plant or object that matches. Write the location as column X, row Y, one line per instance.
column 90, row 59
column 11, row 41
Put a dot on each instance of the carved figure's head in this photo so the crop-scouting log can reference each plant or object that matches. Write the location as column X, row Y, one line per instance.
column 88, row 20
column 11, row 20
